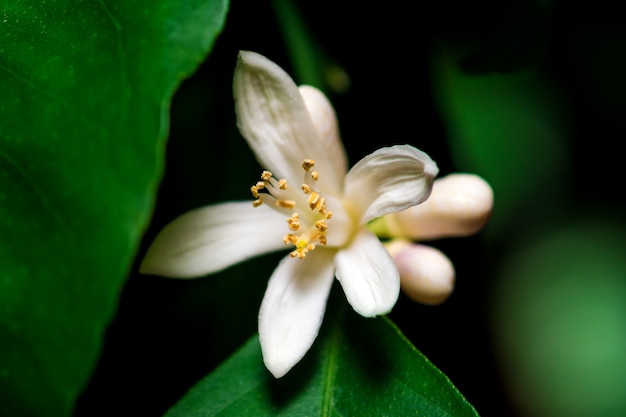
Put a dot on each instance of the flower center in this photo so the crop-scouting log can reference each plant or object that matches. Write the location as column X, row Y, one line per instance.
column 305, row 232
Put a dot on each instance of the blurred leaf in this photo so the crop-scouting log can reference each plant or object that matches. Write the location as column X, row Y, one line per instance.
column 517, row 37
column 510, row 129
column 560, row 320
column 357, row 367
column 84, row 93
column 312, row 65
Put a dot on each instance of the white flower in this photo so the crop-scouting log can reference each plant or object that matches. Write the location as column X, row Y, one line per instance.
column 309, row 202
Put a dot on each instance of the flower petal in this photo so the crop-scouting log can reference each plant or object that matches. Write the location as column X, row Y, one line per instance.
column 368, row 275
column 212, row 238
column 325, row 122
column 293, row 308
column 459, row 205
column 389, row 180
column 274, row 119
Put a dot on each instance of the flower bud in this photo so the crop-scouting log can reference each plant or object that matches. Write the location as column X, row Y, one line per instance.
column 426, row 274
column 459, row 205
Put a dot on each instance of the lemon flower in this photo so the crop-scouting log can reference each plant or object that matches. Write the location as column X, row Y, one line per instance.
column 306, row 200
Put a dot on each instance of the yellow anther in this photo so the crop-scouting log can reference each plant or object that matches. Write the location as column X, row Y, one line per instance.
column 255, row 191
column 321, row 225
column 293, row 221
column 286, row 203
column 329, row 215
column 260, row 185
column 306, row 189
column 290, row 238
column 266, row 175
column 315, row 175
column 313, row 200
column 257, row 202
column 307, row 164
column 321, row 206
column 282, row 184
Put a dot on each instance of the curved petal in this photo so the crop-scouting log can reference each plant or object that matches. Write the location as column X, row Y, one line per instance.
column 212, row 238
column 459, row 205
column 325, row 122
column 389, row 180
column 368, row 275
column 274, row 119
column 293, row 307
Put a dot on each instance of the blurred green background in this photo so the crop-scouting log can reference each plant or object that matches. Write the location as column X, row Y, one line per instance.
column 528, row 94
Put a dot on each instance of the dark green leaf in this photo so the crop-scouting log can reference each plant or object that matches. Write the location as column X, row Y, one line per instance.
column 85, row 89
column 357, row 367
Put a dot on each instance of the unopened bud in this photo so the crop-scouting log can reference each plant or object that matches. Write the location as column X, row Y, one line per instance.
column 426, row 274
column 459, row 205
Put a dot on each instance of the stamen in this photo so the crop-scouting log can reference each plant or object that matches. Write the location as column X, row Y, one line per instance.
column 313, row 200
column 273, row 190
column 269, row 190
column 294, row 223
column 307, row 164
column 321, row 225
column 290, row 238
column 289, row 204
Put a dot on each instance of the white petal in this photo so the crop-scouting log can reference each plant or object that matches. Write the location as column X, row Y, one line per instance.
column 273, row 118
column 325, row 121
column 212, row 238
column 426, row 274
column 293, row 307
column 459, row 205
column 368, row 275
column 389, row 180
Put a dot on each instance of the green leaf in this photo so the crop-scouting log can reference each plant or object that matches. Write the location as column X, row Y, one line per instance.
column 85, row 89
column 357, row 367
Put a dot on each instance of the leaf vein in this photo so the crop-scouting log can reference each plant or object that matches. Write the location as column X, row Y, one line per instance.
column 330, row 372
column 45, row 201
column 121, row 50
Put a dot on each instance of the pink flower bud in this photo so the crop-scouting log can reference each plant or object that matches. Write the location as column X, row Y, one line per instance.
column 426, row 274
